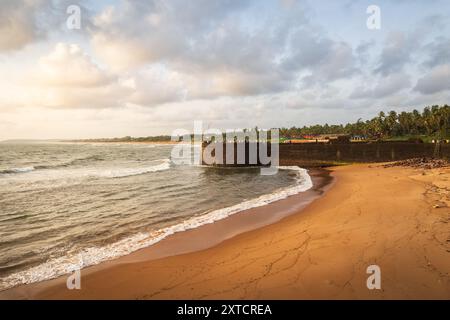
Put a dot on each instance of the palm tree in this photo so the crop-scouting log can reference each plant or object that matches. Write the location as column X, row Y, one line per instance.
column 417, row 122
column 427, row 120
column 405, row 121
column 391, row 123
column 432, row 121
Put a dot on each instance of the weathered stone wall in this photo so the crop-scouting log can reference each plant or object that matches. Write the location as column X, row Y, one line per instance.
column 322, row 154
column 313, row 154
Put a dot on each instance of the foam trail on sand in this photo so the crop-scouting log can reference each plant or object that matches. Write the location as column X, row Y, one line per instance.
column 17, row 170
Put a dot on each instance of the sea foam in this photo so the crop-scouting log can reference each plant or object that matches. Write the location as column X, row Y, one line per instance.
column 127, row 172
column 17, row 170
column 56, row 172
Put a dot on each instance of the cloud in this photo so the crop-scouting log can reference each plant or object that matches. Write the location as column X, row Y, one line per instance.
column 25, row 22
column 396, row 54
column 156, row 85
column 386, row 86
column 338, row 62
column 240, row 62
column 68, row 78
column 65, row 78
column 404, row 48
column 438, row 52
column 437, row 80
column 68, row 66
column 363, row 50
column 218, row 48
column 206, row 49
column 139, row 32
column 110, row 96
column 19, row 23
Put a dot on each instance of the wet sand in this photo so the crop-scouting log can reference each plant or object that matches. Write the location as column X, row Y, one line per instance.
column 397, row 218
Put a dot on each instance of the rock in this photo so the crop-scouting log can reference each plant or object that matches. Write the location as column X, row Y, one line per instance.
column 422, row 163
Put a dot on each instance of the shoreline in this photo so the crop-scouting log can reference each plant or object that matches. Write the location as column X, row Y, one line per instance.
column 207, row 235
column 396, row 218
column 121, row 142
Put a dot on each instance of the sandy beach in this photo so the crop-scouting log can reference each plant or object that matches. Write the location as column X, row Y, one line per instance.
column 397, row 218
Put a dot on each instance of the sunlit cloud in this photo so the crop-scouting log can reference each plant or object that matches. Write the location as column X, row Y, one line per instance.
column 152, row 66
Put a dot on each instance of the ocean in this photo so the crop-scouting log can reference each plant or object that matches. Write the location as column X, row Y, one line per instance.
column 70, row 205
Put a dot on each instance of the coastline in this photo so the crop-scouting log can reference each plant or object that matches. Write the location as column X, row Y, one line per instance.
column 206, row 235
column 120, row 142
column 371, row 215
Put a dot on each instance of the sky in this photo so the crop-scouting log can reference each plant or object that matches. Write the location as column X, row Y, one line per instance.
column 141, row 68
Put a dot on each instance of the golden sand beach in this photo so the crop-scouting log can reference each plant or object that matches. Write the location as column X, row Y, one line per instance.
column 397, row 218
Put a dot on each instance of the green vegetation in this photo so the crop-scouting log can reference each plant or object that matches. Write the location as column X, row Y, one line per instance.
column 433, row 122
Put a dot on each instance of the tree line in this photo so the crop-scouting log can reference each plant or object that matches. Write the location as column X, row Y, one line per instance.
column 432, row 122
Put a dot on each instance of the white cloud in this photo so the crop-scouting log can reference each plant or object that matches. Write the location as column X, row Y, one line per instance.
column 68, row 65
column 18, row 23
column 217, row 49
column 156, row 85
column 438, row 79
column 386, row 86
column 66, row 78
column 396, row 53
